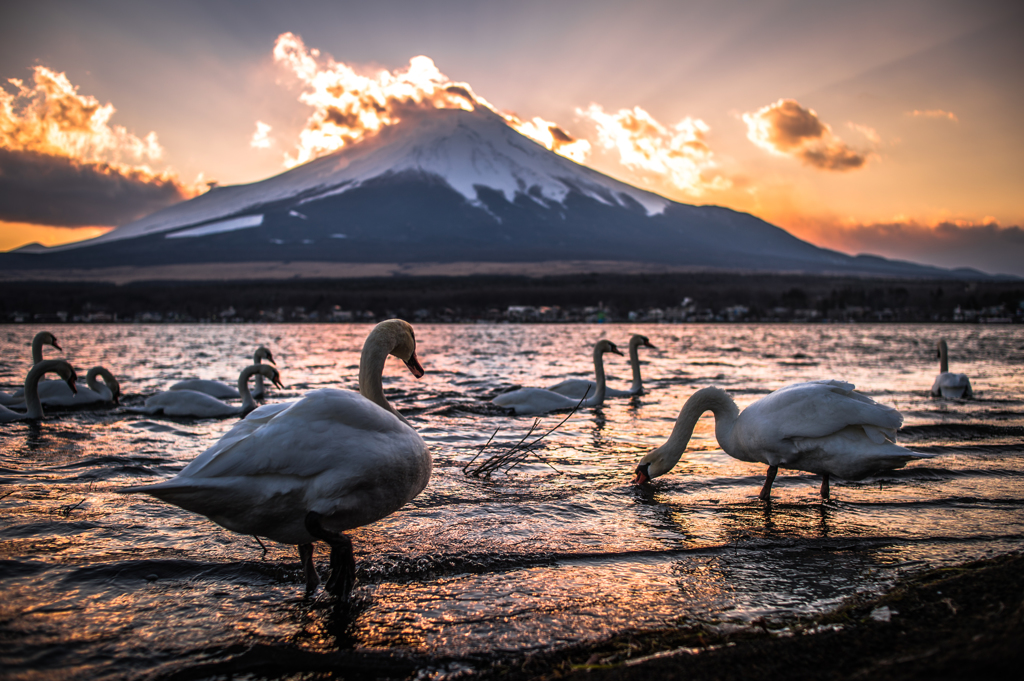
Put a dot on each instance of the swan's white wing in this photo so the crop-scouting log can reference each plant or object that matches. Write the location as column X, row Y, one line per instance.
column 577, row 387
column 217, row 389
column 325, row 429
column 952, row 386
column 188, row 403
column 817, row 409
column 534, row 401
column 58, row 394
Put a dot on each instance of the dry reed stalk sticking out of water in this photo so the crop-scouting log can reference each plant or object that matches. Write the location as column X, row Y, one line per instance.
column 516, row 454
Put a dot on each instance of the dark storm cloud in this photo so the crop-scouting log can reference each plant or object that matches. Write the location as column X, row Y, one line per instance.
column 54, row 190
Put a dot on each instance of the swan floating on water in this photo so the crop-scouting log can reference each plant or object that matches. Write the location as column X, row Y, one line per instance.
column 201, row 405
column 576, row 388
column 311, row 469
column 823, row 427
column 526, row 401
column 34, row 409
column 58, row 394
column 220, row 389
column 42, row 338
column 950, row 386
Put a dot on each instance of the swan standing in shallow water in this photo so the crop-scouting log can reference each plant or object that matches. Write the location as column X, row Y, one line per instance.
column 220, row 389
column 329, row 462
column 201, row 405
column 822, row 427
column 576, row 388
column 34, row 406
column 526, row 401
column 42, row 338
column 950, row 386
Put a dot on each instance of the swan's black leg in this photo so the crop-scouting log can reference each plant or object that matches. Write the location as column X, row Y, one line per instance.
column 306, row 556
column 766, row 491
column 824, row 486
column 343, row 562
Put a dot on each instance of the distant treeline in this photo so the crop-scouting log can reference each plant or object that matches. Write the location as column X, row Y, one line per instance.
column 681, row 297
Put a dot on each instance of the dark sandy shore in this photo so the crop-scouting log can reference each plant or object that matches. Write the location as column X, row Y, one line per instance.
column 965, row 622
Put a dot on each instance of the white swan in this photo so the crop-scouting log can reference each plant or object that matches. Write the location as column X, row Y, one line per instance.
column 526, row 401
column 950, row 386
column 822, row 427
column 42, row 338
column 34, row 407
column 329, row 462
column 201, row 405
column 220, row 389
column 576, row 388
column 58, row 394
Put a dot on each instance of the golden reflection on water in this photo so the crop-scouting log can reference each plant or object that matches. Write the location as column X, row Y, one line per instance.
column 559, row 551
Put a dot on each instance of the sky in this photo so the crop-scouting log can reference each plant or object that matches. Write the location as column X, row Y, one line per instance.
column 892, row 128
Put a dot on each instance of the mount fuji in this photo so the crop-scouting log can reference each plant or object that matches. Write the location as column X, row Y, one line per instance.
column 450, row 186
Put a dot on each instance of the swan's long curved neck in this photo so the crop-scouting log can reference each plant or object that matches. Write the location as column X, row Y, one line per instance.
column 33, row 407
column 634, row 361
column 248, row 403
column 712, row 399
column 108, row 380
column 371, row 370
column 943, row 357
column 598, row 398
column 37, row 348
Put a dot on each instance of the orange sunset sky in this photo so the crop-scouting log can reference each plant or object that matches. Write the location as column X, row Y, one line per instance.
column 891, row 128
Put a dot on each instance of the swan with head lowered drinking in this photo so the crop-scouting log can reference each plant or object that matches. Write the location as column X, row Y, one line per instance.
column 576, row 388
column 526, row 401
column 200, row 405
column 823, row 427
column 220, row 389
column 34, row 408
column 42, row 338
column 948, row 385
column 312, row 469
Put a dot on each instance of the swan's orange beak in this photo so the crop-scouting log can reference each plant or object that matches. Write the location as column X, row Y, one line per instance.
column 72, row 379
column 642, row 475
column 56, row 345
column 414, row 366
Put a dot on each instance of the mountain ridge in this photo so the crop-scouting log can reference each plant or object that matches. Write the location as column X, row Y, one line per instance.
column 452, row 186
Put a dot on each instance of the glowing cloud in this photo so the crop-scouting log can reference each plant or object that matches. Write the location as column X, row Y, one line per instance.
column 348, row 106
column 63, row 164
column 261, row 138
column 787, row 129
column 934, row 113
column 679, row 154
column 983, row 244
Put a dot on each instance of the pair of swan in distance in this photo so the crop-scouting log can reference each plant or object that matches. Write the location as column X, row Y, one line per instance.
column 314, row 468
column 949, row 385
column 192, row 403
column 569, row 393
column 223, row 391
column 58, row 393
column 527, row 401
column 33, row 405
column 577, row 388
column 823, row 427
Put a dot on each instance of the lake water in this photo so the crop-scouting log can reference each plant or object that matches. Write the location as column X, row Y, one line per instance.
column 559, row 551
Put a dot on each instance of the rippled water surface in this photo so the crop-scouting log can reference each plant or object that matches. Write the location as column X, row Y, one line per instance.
column 561, row 550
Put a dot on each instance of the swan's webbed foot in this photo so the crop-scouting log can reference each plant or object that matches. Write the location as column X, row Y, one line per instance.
column 824, row 486
column 343, row 562
column 766, row 491
column 308, row 568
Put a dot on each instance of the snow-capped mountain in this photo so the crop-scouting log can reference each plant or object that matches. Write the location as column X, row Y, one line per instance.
column 449, row 186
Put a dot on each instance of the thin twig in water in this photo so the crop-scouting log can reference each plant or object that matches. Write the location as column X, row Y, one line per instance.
column 66, row 509
column 516, row 454
column 264, row 556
